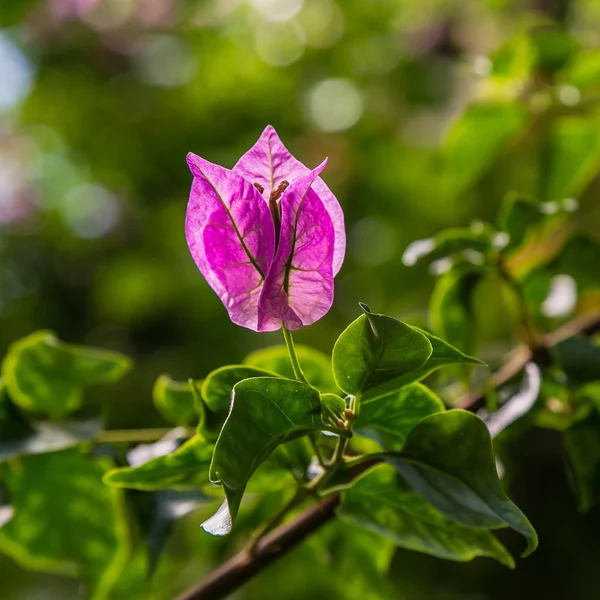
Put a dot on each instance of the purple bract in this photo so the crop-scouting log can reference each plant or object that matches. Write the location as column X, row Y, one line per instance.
column 268, row 236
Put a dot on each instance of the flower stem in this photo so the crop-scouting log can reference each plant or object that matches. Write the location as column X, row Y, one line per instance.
column 289, row 342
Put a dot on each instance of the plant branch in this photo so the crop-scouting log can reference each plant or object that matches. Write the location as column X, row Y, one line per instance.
column 122, row 436
column 586, row 324
column 242, row 567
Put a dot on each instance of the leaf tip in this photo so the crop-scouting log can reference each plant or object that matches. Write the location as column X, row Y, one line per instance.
column 220, row 523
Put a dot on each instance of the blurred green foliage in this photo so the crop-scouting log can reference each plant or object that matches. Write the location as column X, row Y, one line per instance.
column 430, row 111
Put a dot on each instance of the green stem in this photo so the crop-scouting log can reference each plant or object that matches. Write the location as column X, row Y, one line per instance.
column 122, row 436
column 332, row 466
column 289, row 342
column 317, row 450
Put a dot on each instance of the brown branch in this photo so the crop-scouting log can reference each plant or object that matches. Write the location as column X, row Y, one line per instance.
column 242, row 567
column 586, row 324
column 245, row 565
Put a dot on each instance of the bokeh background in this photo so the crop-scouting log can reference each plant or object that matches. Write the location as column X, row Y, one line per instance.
column 100, row 101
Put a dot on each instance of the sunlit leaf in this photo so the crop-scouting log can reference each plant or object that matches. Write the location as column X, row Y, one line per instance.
column 572, row 157
column 66, row 520
column 216, row 395
column 184, row 469
column 175, row 400
column 584, row 70
column 375, row 350
column 266, row 412
column 45, row 375
column 315, row 365
column 391, row 418
column 382, row 502
column 474, row 140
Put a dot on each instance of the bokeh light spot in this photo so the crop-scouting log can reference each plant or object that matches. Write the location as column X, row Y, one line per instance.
column 280, row 44
column 16, row 74
column 335, row 104
column 166, row 61
column 90, row 211
column 278, row 10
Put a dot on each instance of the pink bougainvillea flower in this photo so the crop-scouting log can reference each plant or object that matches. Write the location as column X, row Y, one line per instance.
column 268, row 236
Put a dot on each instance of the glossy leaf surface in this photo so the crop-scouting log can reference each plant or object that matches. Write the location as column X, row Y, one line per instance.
column 45, row 375
column 391, row 418
column 449, row 459
column 382, row 502
column 376, row 350
column 175, row 400
column 266, row 412
column 184, row 469
column 315, row 365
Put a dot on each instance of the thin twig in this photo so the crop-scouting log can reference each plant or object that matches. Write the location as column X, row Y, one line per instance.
column 122, row 436
column 242, row 567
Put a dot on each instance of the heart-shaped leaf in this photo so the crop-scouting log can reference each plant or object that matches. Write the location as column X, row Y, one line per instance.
column 376, row 350
column 442, row 354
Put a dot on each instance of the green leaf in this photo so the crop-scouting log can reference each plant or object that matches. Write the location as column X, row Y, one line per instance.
column 584, row 70
column 216, row 393
column 519, row 214
column 333, row 408
column 443, row 354
column 580, row 258
column 376, row 350
column 382, row 502
column 315, row 365
column 580, row 359
column 571, row 157
column 46, row 375
column 184, row 469
column 450, row 306
column 553, row 49
column 449, row 459
column 474, row 140
column 449, row 241
column 266, row 412
column 357, row 560
column 175, row 400
column 391, row 418
column 582, row 443
column 66, row 520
